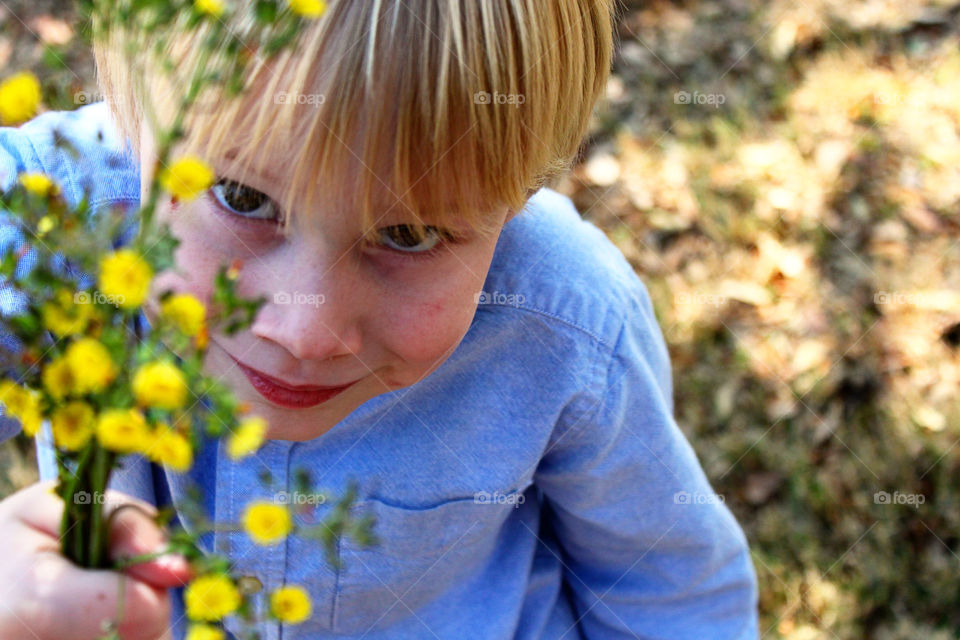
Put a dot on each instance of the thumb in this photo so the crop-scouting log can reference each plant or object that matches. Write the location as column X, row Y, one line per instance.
column 133, row 532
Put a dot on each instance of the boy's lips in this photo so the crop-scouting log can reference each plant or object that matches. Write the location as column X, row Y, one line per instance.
column 286, row 395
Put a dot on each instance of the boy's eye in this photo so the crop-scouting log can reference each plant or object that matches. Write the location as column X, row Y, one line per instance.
column 247, row 202
column 405, row 237
column 243, row 201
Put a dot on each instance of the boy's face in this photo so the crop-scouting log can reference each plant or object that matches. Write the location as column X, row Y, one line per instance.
column 337, row 311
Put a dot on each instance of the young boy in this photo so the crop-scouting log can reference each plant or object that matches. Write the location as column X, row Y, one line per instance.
column 497, row 383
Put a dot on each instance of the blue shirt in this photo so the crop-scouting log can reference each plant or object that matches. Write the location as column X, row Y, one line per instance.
column 535, row 486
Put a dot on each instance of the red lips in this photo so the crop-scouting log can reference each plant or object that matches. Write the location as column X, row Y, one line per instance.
column 286, row 395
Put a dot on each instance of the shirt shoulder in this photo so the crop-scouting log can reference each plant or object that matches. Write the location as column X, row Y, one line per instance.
column 551, row 261
column 81, row 150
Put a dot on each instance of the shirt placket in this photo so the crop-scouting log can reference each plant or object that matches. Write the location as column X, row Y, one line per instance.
column 306, row 563
column 268, row 563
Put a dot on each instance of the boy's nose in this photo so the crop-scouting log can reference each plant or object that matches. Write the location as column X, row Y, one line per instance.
column 311, row 325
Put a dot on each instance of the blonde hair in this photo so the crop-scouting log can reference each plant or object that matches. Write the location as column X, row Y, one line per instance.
column 456, row 108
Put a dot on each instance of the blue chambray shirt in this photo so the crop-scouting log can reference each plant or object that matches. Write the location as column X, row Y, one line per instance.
column 535, row 486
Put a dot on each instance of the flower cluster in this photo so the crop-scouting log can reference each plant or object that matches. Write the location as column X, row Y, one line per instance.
column 106, row 387
column 212, row 597
column 107, row 391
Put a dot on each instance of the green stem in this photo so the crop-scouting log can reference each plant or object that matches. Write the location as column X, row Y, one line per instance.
column 99, row 475
column 163, row 153
column 122, row 563
column 71, row 525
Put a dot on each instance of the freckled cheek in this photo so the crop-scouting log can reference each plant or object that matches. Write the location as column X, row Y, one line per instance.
column 197, row 258
column 423, row 332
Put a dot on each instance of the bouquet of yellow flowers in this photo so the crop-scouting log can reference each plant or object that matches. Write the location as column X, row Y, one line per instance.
column 107, row 386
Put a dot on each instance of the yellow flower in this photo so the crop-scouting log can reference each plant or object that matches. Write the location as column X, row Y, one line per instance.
column 63, row 316
column 45, row 225
column 30, row 420
column 210, row 7
column 91, row 365
column 308, row 8
column 186, row 312
column 23, row 404
column 204, row 632
column 171, row 448
column 247, row 438
column 125, row 276
column 211, row 597
column 160, row 384
column 73, row 425
column 290, row 604
column 186, row 178
column 19, row 98
column 123, row 430
column 267, row 524
column 58, row 378
column 38, row 184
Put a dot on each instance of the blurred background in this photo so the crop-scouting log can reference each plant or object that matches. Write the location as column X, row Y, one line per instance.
column 785, row 177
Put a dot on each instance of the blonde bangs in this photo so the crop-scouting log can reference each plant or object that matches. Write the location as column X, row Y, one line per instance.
column 442, row 112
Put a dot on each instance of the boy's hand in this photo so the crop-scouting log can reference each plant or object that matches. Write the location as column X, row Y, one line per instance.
column 44, row 596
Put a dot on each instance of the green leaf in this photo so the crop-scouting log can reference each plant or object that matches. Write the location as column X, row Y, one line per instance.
column 266, row 11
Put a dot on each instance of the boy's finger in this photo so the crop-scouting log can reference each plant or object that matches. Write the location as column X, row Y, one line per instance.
column 134, row 532
column 37, row 507
column 79, row 601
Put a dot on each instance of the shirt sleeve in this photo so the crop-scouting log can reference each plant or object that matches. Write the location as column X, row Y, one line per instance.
column 648, row 549
column 108, row 176
column 11, row 238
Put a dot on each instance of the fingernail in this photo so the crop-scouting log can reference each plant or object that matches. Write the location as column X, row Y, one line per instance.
column 172, row 562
